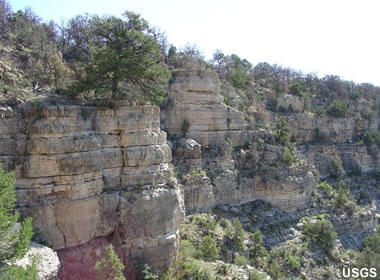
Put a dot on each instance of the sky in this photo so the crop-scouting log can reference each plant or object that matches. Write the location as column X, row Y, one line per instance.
column 339, row 37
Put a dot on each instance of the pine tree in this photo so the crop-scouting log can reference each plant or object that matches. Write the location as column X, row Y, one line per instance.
column 125, row 52
column 14, row 238
column 208, row 248
column 110, row 266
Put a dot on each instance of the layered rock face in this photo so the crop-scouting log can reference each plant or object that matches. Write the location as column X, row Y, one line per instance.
column 353, row 229
column 333, row 138
column 352, row 155
column 85, row 173
column 288, row 101
column 194, row 96
column 330, row 129
column 253, row 175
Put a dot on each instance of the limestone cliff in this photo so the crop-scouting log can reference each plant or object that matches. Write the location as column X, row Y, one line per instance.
column 243, row 177
column 85, row 173
column 194, row 96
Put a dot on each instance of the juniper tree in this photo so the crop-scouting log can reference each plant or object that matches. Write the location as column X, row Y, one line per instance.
column 110, row 267
column 14, row 237
column 124, row 51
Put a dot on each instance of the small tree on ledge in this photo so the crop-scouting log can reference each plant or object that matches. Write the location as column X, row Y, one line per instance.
column 110, row 266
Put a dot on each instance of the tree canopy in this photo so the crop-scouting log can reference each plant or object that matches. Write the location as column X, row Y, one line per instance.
column 125, row 51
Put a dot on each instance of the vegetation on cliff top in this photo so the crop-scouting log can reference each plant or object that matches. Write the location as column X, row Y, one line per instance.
column 113, row 57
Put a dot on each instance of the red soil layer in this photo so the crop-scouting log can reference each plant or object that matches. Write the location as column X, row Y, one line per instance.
column 77, row 263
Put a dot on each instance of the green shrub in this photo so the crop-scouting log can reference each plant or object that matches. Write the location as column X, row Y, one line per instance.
column 340, row 198
column 205, row 221
column 297, row 88
column 260, row 144
column 325, row 187
column 321, row 232
column 208, row 249
column 226, row 100
column 371, row 137
column 229, row 141
column 240, row 260
column 320, row 112
column 187, row 249
column 194, row 175
column 257, row 251
column 287, row 157
column 368, row 114
column 281, row 132
column 110, row 266
column 338, row 108
column 335, row 167
column 13, row 242
column 306, row 102
column 275, row 271
column 223, row 269
column 293, row 262
column 195, row 271
column 224, row 223
column 254, row 274
column 370, row 255
column 148, row 274
column 238, row 236
column 185, row 127
column 14, row 272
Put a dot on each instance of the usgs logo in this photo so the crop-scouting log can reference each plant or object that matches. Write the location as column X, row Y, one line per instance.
column 362, row 272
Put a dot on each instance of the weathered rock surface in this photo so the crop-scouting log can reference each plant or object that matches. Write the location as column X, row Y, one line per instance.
column 353, row 229
column 85, row 173
column 195, row 97
column 45, row 258
column 352, row 155
column 290, row 101
column 307, row 127
column 253, row 175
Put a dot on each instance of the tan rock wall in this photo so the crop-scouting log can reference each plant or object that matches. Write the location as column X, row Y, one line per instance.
column 195, row 97
column 352, row 155
column 84, row 172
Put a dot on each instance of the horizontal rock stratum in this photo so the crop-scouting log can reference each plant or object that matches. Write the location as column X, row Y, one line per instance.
column 85, row 173
column 194, row 96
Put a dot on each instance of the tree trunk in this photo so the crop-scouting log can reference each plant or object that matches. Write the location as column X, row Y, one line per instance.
column 115, row 83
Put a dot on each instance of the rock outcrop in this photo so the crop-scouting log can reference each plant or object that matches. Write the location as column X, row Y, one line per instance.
column 351, row 155
column 253, row 175
column 353, row 229
column 291, row 103
column 45, row 259
column 85, row 173
column 306, row 128
column 194, row 96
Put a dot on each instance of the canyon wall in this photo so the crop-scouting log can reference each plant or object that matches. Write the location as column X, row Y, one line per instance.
column 247, row 176
column 84, row 173
column 194, row 96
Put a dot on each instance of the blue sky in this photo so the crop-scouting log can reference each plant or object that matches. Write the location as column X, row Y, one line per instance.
column 322, row 36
